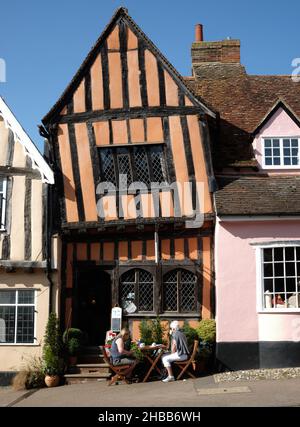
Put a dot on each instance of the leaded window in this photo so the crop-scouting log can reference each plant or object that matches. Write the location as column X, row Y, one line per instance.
column 180, row 291
column 17, row 321
column 281, row 152
column 145, row 164
column 137, row 291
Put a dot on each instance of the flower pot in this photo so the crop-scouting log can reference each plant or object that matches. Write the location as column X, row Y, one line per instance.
column 52, row 381
column 72, row 360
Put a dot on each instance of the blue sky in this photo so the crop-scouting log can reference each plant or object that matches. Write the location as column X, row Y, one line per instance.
column 44, row 42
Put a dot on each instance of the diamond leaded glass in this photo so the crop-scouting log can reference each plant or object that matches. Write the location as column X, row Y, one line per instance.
column 142, row 281
column 141, row 166
column 179, row 285
column 157, row 164
column 108, row 168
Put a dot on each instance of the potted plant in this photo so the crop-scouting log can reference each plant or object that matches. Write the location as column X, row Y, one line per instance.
column 207, row 334
column 52, row 352
column 73, row 339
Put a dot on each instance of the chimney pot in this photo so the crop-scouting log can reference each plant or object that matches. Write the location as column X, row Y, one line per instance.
column 199, row 33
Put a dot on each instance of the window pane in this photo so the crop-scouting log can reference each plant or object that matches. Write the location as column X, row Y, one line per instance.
column 290, row 285
column 294, row 151
column 289, row 254
column 127, row 289
column 170, row 292
column 7, row 297
column 26, row 297
column 268, row 270
column 7, row 324
column 141, row 166
column 278, row 254
column 286, row 143
column 108, row 168
column 267, row 254
column 25, row 325
column 287, row 160
column 295, row 161
column 295, row 142
column 298, row 253
column 268, row 152
column 290, row 269
column 124, row 169
column 268, row 161
column 278, row 268
column 275, row 142
column 276, row 152
column 286, row 152
column 1, row 185
column 157, row 164
column 267, row 143
column 146, row 290
column 188, row 283
column 279, row 285
column 277, row 161
column 268, row 285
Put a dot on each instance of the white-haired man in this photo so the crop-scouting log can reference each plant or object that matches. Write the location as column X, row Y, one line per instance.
column 179, row 350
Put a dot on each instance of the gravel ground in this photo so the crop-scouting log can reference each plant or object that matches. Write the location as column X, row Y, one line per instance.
column 258, row 374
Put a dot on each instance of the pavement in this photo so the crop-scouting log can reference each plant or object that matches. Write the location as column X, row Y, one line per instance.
column 200, row 392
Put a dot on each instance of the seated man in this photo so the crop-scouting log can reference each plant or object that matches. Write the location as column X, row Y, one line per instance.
column 179, row 350
column 119, row 354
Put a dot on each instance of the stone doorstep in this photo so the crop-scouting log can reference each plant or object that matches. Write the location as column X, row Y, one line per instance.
column 91, row 368
column 83, row 378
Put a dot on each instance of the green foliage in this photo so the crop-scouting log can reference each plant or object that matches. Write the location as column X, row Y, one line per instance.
column 30, row 376
column 137, row 352
column 207, row 330
column 52, row 351
column 157, row 331
column 191, row 334
column 151, row 331
column 73, row 340
column 146, row 331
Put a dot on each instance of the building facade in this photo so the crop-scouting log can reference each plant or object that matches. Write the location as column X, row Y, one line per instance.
column 126, row 137
column 25, row 259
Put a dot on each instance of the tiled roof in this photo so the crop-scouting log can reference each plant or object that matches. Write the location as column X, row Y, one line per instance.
column 258, row 196
column 243, row 101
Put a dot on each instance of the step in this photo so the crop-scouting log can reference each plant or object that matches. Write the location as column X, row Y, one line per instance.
column 83, row 378
column 92, row 349
column 90, row 368
column 90, row 359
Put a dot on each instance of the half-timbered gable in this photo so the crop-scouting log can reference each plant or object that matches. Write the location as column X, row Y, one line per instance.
column 24, row 286
column 127, row 117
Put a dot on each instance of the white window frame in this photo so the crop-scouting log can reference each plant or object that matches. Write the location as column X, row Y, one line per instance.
column 4, row 193
column 16, row 305
column 282, row 165
column 260, row 279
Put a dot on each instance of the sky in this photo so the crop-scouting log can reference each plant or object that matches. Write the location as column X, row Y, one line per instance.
column 43, row 42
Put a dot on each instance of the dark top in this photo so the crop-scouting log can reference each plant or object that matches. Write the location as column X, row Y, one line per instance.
column 181, row 343
column 114, row 352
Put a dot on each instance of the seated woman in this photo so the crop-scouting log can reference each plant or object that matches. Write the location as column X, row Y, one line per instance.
column 119, row 354
column 179, row 350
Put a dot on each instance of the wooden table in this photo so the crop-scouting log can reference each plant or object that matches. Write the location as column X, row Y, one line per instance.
column 153, row 355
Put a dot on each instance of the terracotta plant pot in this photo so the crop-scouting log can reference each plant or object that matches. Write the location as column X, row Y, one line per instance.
column 72, row 360
column 52, row 381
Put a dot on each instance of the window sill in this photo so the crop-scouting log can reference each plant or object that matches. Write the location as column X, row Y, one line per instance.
column 279, row 310
column 10, row 344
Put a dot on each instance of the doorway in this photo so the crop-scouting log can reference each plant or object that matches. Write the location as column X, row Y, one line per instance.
column 94, row 304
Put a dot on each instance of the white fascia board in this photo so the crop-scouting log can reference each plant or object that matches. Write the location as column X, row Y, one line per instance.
column 38, row 162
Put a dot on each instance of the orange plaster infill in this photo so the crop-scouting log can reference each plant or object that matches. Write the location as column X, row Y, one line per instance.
column 150, row 250
column 179, row 249
column 69, row 185
column 152, row 79
column 86, row 172
column 81, row 251
column 165, row 249
column 154, row 129
column 199, row 159
column 97, row 84
column 113, row 41
column 147, row 205
column 132, row 41
column 115, row 80
column 135, row 99
column 108, row 251
column 136, row 250
column 128, row 206
column 171, row 90
column 193, row 248
column 123, row 251
column 137, row 131
column 95, row 251
column 166, row 204
column 188, row 102
column 79, row 98
column 101, row 130
column 119, row 128
column 207, row 273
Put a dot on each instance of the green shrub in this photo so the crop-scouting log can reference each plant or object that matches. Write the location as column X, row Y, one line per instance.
column 137, row 352
column 207, row 330
column 73, row 340
column 53, row 348
column 157, row 331
column 191, row 334
column 145, row 328
column 30, row 376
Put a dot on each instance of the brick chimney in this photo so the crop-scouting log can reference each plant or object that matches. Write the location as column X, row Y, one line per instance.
column 215, row 59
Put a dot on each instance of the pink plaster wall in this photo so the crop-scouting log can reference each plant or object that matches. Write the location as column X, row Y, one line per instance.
column 279, row 125
column 235, row 264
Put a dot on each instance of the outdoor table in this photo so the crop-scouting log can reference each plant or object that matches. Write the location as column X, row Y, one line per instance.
column 153, row 355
